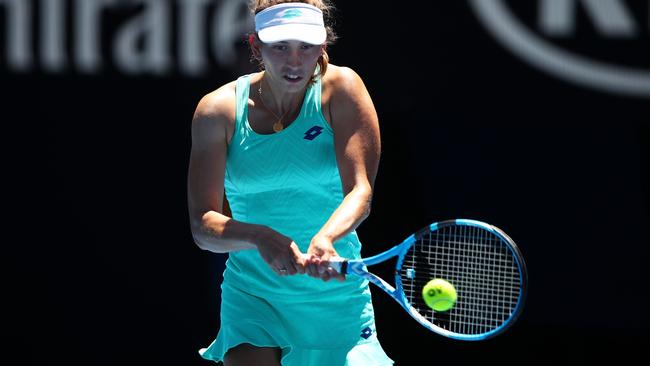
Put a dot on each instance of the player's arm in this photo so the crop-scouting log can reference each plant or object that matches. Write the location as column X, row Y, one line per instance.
column 357, row 144
column 211, row 228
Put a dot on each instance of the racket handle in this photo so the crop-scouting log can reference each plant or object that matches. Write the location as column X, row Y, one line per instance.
column 339, row 264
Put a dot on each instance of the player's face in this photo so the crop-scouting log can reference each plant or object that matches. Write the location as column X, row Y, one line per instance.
column 291, row 63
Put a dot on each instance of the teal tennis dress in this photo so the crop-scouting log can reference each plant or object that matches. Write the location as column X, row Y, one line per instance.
column 290, row 182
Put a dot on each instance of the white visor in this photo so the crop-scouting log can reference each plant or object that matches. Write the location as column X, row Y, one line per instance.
column 291, row 21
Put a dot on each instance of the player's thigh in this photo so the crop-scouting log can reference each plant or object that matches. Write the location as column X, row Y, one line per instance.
column 247, row 354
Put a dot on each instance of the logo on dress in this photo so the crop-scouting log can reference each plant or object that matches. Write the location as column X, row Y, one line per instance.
column 366, row 333
column 313, row 132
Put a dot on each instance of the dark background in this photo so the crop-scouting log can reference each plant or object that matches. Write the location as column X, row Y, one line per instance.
column 103, row 269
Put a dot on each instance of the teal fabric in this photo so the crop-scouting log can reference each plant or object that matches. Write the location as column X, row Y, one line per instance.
column 310, row 332
column 290, row 182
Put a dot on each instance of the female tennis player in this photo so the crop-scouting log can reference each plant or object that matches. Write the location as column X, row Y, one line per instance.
column 296, row 148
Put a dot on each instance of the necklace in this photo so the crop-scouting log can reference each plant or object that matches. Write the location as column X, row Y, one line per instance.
column 277, row 126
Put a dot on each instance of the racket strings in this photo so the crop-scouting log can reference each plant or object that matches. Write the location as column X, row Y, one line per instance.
column 479, row 264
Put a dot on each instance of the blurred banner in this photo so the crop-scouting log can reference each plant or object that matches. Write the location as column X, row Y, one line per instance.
column 600, row 44
column 158, row 37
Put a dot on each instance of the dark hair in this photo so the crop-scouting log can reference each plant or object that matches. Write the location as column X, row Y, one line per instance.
column 324, row 5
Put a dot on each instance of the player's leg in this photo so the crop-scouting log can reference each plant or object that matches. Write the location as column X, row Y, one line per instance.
column 247, row 354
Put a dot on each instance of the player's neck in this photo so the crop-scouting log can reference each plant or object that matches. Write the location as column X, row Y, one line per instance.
column 279, row 99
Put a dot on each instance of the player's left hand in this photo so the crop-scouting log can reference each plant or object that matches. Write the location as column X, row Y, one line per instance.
column 320, row 251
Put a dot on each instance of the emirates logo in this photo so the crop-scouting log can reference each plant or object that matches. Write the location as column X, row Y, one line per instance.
column 599, row 44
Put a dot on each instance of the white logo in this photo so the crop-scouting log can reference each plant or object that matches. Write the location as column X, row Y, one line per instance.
column 612, row 18
column 139, row 36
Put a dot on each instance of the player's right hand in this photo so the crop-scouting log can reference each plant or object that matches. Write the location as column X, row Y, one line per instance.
column 280, row 252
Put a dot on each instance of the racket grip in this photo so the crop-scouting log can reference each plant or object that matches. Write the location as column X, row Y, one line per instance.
column 339, row 264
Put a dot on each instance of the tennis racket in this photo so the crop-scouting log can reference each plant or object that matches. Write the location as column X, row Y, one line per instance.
column 479, row 260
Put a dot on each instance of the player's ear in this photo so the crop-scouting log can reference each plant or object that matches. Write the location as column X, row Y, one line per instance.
column 254, row 44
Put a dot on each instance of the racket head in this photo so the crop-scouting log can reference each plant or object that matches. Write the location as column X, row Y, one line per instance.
column 483, row 264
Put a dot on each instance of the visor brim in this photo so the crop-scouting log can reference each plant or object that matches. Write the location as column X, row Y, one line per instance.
column 312, row 34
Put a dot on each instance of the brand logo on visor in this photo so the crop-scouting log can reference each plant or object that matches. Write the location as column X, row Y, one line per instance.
column 291, row 13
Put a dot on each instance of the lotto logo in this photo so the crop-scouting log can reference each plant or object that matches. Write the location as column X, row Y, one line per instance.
column 366, row 333
column 313, row 132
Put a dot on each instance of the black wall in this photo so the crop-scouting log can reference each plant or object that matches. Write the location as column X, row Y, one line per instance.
column 102, row 269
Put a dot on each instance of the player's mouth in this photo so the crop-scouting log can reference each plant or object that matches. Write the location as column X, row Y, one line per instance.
column 292, row 78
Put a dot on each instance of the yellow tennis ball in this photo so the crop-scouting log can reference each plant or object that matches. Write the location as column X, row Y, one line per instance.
column 439, row 294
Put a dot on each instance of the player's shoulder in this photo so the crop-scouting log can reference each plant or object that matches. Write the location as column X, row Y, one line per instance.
column 220, row 103
column 343, row 89
column 341, row 79
column 214, row 117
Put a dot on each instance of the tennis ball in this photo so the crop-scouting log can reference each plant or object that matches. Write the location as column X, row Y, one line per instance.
column 439, row 294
